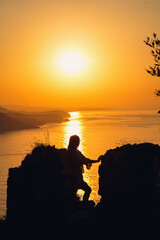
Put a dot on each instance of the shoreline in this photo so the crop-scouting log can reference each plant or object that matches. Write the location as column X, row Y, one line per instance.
column 15, row 121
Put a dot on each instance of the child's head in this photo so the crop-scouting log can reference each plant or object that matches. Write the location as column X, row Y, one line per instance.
column 74, row 142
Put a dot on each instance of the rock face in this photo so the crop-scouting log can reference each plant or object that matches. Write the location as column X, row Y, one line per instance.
column 38, row 190
column 128, row 183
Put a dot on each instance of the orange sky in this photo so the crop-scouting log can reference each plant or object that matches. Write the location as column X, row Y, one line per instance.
column 109, row 33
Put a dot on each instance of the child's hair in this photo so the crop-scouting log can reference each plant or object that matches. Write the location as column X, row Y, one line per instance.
column 73, row 142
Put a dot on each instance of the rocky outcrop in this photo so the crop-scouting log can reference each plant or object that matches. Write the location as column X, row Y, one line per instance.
column 129, row 183
column 38, row 190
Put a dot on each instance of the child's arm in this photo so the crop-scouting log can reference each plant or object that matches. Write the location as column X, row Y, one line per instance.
column 95, row 161
column 87, row 160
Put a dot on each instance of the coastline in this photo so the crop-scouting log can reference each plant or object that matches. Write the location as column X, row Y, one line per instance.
column 15, row 121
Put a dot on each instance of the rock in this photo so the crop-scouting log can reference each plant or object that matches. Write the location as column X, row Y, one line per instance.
column 40, row 194
column 128, row 183
column 37, row 190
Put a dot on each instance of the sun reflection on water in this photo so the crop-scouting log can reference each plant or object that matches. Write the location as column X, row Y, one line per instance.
column 73, row 127
column 74, row 115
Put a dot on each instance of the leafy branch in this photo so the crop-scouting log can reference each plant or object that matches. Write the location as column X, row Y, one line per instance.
column 154, row 43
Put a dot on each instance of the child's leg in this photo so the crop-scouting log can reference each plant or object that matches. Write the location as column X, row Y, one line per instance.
column 87, row 190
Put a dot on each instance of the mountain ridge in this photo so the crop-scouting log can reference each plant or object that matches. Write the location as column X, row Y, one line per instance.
column 14, row 120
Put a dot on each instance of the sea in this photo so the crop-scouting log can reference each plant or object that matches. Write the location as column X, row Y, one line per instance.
column 99, row 131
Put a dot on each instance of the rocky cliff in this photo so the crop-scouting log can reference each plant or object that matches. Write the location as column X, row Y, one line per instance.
column 38, row 191
column 129, row 183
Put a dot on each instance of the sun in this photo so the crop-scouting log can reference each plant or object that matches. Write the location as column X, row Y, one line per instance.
column 71, row 62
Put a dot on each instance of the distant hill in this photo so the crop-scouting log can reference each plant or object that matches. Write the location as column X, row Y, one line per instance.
column 8, row 123
column 12, row 120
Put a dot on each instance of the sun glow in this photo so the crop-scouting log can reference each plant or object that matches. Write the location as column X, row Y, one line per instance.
column 71, row 62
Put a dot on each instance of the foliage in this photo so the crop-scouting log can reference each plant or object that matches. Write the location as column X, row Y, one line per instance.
column 154, row 43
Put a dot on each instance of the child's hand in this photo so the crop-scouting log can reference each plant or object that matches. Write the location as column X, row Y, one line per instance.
column 100, row 158
column 89, row 165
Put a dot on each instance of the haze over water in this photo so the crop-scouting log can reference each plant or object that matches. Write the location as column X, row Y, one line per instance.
column 98, row 131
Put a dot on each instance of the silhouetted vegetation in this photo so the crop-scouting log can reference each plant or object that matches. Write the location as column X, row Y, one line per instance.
column 154, row 43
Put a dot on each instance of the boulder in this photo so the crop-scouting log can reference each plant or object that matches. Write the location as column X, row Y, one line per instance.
column 129, row 183
column 37, row 189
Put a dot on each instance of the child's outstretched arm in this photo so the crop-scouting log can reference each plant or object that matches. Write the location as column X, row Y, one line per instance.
column 95, row 161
